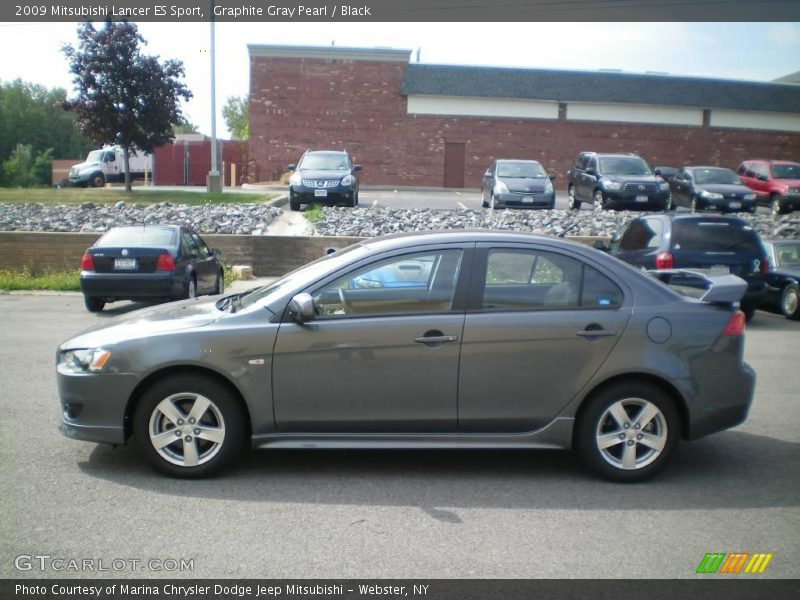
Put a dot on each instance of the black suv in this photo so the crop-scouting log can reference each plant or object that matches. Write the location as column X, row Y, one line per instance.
column 714, row 244
column 615, row 181
column 324, row 176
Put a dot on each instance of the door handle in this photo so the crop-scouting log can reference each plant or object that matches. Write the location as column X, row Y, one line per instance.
column 595, row 333
column 435, row 337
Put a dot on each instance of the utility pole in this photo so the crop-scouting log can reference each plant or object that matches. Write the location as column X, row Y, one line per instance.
column 213, row 180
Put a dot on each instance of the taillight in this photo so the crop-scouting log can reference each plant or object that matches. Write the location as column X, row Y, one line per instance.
column 764, row 267
column 87, row 262
column 664, row 261
column 735, row 324
column 165, row 262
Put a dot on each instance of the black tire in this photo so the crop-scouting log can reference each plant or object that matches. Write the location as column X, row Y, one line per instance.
column 599, row 200
column 97, row 180
column 355, row 199
column 596, row 422
column 485, row 204
column 223, row 413
column 94, row 304
column 790, row 302
column 294, row 203
column 219, row 287
column 191, row 288
column 749, row 313
column 775, row 205
column 670, row 205
column 572, row 203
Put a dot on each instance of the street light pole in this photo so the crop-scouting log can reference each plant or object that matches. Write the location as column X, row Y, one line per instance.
column 213, row 182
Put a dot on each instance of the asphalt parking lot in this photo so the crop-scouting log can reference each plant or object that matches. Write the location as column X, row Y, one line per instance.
column 422, row 514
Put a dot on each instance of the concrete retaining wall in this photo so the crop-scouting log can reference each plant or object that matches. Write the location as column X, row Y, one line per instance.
column 268, row 255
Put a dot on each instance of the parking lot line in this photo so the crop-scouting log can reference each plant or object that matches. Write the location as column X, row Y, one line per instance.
column 461, row 205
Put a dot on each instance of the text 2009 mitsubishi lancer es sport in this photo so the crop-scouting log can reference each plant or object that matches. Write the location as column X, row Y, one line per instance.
column 436, row 340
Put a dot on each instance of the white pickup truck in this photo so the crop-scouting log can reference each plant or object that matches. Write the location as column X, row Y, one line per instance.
column 107, row 164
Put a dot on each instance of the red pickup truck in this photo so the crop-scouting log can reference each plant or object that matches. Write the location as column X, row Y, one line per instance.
column 775, row 182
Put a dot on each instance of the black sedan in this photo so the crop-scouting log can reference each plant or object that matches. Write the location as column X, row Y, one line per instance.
column 517, row 184
column 701, row 188
column 149, row 262
column 783, row 279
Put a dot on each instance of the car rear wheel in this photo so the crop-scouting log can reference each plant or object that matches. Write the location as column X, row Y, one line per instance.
column 572, row 203
column 93, row 304
column 599, row 200
column 790, row 302
column 749, row 313
column 189, row 426
column 191, row 288
column 628, row 432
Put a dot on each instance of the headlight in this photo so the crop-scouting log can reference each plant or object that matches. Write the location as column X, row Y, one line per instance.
column 710, row 195
column 548, row 187
column 610, row 185
column 663, row 186
column 295, row 179
column 85, row 360
column 500, row 188
column 750, row 197
column 347, row 180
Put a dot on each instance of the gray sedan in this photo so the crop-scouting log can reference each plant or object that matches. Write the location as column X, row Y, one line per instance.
column 437, row 340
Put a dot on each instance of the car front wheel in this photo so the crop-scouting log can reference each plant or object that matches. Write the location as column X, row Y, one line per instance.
column 599, row 200
column 189, row 426
column 294, row 203
column 572, row 202
column 790, row 302
column 628, row 432
column 775, row 203
column 219, row 287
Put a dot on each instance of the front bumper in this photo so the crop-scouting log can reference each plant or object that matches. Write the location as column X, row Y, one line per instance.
column 337, row 195
column 80, row 179
column 525, row 200
column 642, row 200
column 725, row 204
column 131, row 286
column 93, row 405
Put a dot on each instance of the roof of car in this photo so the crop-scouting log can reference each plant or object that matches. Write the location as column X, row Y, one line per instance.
column 599, row 86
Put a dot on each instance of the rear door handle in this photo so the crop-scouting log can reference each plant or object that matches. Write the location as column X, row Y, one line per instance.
column 595, row 333
column 435, row 337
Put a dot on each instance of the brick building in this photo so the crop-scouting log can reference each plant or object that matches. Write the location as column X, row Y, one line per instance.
column 434, row 125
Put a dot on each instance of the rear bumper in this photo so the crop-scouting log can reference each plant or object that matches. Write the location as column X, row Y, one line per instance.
column 130, row 286
column 733, row 396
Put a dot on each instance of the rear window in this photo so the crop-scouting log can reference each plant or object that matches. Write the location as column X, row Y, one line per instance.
column 714, row 236
column 139, row 237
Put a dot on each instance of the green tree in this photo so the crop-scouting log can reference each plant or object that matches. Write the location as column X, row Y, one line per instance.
column 124, row 97
column 22, row 169
column 31, row 114
column 185, row 126
column 235, row 113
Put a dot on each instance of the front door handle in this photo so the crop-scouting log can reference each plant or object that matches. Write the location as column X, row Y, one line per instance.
column 435, row 337
column 595, row 333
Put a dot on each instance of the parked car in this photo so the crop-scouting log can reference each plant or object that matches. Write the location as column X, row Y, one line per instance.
column 615, row 181
column 775, row 182
column 149, row 262
column 783, row 278
column 316, row 360
column 323, row 176
column 666, row 173
column 517, row 184
column 691, row 241
column 701, row 188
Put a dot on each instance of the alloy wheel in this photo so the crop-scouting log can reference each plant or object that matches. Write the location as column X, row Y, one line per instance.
column 599, row 201
column 789, row 301
column 631, row 434
column 187, row 429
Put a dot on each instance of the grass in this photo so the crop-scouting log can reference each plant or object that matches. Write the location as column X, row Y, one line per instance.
column 139, row 196
column 58, row 281
column 313, row 213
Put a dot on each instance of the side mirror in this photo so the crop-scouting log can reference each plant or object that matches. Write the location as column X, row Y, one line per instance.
column 591, row 171
column 657, row 172
column 551, row 176
column 357, row 168
column 292, row 166
column 762, row 178
column 216, row 252
column 301, row 308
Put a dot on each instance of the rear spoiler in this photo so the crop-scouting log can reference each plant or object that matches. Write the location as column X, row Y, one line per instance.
column 714, row 289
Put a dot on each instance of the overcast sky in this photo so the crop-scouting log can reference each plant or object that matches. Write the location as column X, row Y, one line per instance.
column 755, row 51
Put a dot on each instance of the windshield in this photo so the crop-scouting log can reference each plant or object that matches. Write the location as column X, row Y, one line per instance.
column 325, row 162
column 624, row 165
column 95, row 156
column 139, row 237
column 786, row 171
column 520, row 169
column 725, row 176
column 787, row 254
column 305, row 275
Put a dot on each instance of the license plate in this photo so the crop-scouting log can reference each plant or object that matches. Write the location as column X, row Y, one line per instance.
column 527, row 199
column 641, row 198
column 720, row 269
column 125, row 263
column 320, row 193
column 735, row 205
